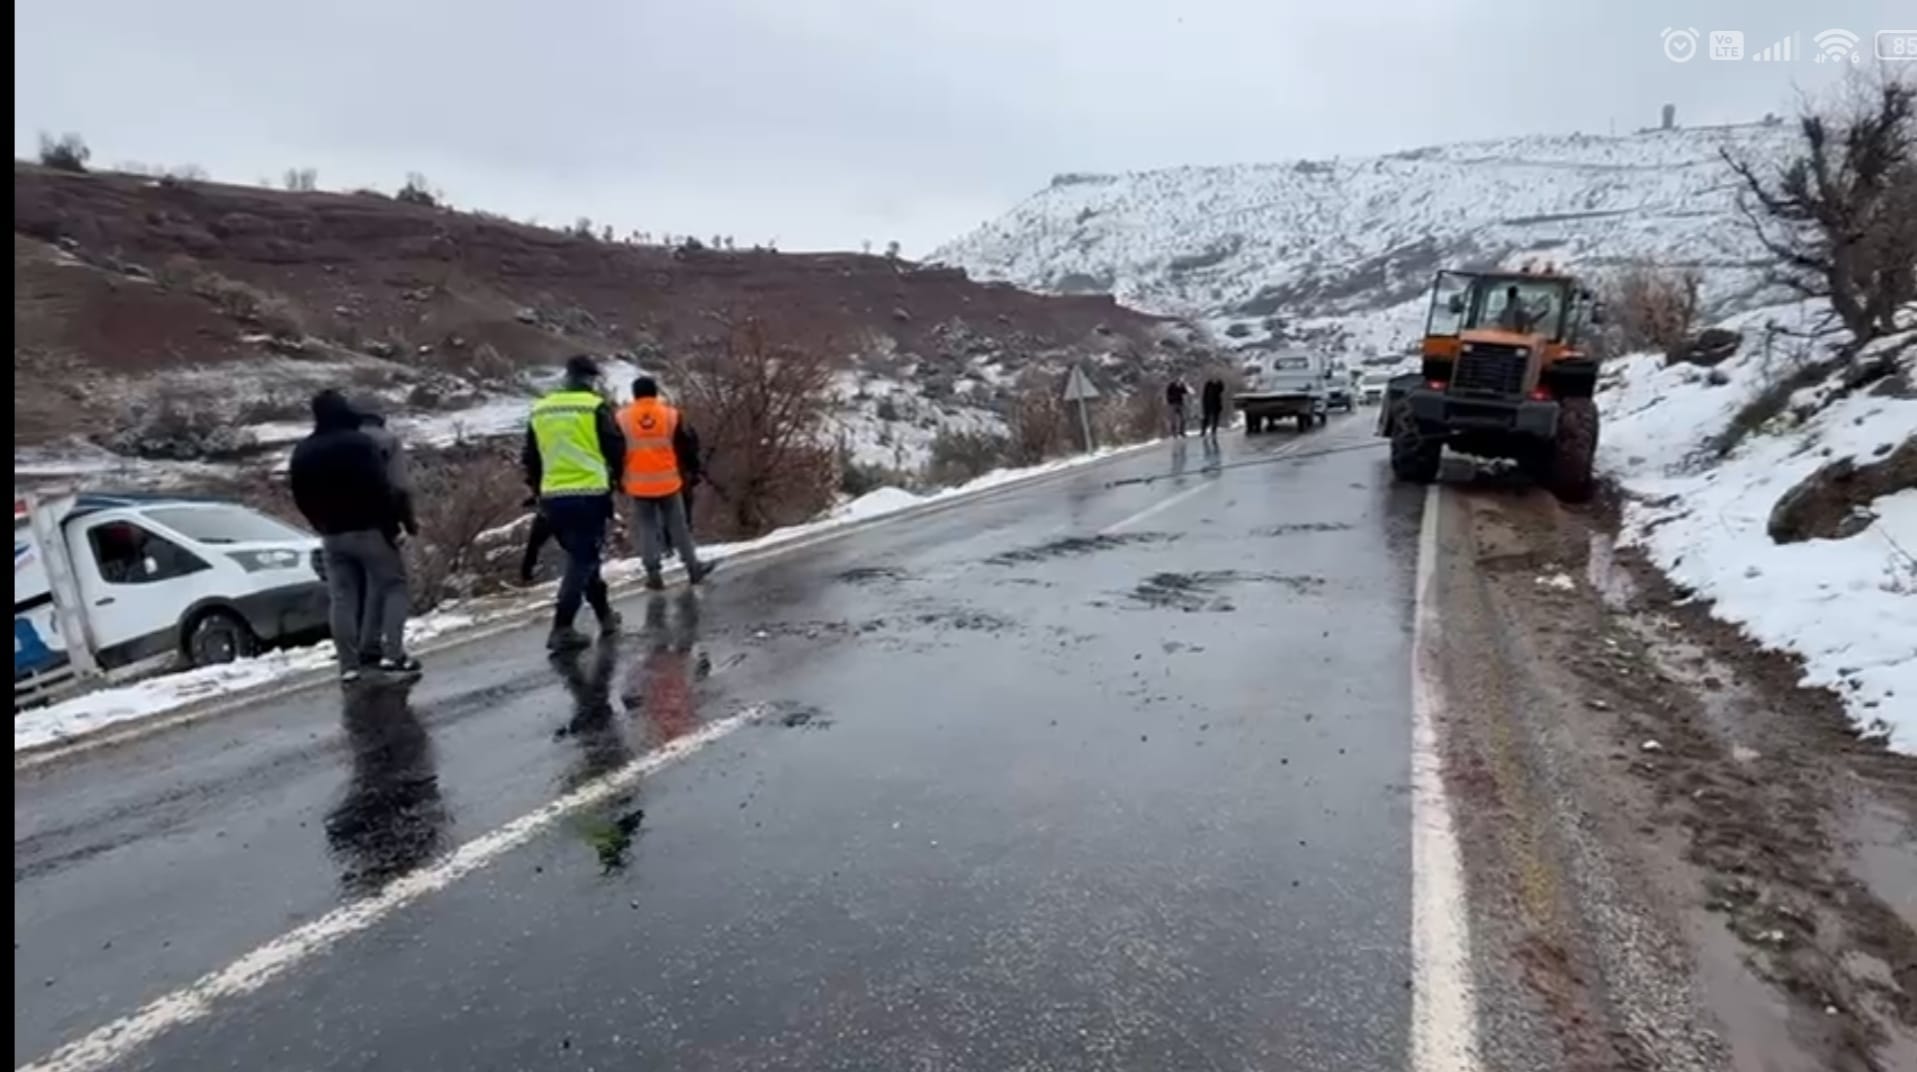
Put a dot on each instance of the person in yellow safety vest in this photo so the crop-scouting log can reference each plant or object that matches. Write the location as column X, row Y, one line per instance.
column 656, row 440
column 573, row 450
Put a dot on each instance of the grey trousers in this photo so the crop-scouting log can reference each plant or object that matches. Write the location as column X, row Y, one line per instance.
column 366, row 579
column 667, row 514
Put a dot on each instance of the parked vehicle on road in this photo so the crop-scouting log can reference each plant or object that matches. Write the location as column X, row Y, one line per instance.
column 1294, row 385
column 1371, row 388
column 112, row 586
column 1501, row 377
column 1340, row 388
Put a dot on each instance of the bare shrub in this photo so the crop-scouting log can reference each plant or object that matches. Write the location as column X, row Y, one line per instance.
column 301, row 180
column 175, row 424
column 1840, row 214
column 1043, row 425
column 489, row 365
column 1774, row 397
column 467, row 501
column 1650, row 309
column 858, row 478
column 759, row 407
column 961, row 456
column 68, row 152
column 1141, row 416
column 418, row 191
column 273, row 408
column 247, row 303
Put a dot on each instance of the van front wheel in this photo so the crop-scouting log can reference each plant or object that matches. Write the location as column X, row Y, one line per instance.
column 218, row 636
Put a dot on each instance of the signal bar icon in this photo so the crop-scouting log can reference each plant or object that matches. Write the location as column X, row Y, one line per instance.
column 1782, row 52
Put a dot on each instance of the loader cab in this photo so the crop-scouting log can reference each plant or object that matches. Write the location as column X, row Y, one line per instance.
column 1539, row 310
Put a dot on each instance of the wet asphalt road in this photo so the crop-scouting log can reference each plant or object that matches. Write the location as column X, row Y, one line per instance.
column 1073, row 777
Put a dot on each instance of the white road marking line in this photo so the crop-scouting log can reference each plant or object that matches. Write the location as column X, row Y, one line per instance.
column 114, row 1041
column 1290, row 448
column 1444, row 1005
column 1153, row 509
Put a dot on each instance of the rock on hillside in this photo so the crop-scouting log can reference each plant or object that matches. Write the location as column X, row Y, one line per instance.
column 1320, row 248
column 238, row 301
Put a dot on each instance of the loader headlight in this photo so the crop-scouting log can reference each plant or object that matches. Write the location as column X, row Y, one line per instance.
column 255, row 561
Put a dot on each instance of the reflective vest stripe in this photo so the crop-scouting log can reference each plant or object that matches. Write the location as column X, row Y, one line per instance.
column 566, row 429
column 652, row 466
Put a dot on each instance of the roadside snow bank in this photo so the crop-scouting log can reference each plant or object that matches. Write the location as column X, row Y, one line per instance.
column 97, row 710
column 1847, row 606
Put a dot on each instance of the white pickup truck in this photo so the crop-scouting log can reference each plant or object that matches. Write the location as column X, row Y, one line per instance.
column 1285, row 385
column 112, row 586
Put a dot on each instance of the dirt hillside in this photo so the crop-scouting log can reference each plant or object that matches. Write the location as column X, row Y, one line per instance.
column 242, row 299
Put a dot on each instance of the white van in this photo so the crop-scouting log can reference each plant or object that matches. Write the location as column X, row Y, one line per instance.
column 116, row 585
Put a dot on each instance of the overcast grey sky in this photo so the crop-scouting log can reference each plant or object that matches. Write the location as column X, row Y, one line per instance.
column 825, row 122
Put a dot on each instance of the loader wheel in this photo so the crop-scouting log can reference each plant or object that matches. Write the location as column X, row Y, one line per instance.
column 1574, row 452
column 1415, row 457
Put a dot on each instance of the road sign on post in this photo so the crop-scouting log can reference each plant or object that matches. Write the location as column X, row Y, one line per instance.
column 1079, row 389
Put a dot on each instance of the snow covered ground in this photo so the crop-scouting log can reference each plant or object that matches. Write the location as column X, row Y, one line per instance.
column 1847, row 606
column 103, row 708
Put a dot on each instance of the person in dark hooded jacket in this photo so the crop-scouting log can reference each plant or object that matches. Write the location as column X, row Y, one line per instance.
column 340, row 483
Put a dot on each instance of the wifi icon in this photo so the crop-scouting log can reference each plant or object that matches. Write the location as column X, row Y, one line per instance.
column 1836, row 46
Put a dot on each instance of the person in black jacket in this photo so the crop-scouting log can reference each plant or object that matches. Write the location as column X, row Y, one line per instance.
column 1175, row 393
column 340, row 483
column 1211, row 407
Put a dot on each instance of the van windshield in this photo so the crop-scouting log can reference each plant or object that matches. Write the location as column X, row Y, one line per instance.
column 223, row 524
column 1292, row 363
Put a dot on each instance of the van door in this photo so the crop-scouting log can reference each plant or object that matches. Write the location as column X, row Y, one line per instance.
column 135, row 585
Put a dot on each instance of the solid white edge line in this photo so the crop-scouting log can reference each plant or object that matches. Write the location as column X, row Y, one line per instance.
column 1444, row 1014
column 116, row 1040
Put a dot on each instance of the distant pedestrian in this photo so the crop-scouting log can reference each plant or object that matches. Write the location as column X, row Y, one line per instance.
column 1175, row 394
column 656, row 441
column 341, row 484
column 1211, row 406
column 573, row 447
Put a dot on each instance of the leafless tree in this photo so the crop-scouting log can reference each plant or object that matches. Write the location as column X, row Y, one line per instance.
column 418, row 191
column 300, row 179
column 1840, row 213
column 68, row 152
column 1650, row 308
column 759, row 406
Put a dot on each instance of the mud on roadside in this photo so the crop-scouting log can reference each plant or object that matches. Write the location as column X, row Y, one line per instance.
column 1735, row 816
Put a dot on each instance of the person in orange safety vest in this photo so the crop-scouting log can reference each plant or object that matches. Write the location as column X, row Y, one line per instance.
column 655, row 441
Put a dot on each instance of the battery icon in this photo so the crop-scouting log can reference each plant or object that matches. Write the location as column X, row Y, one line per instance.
column 1897, row 44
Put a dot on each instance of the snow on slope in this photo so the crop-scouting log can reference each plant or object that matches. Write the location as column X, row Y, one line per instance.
column 1314, row 239
column 1847, row 606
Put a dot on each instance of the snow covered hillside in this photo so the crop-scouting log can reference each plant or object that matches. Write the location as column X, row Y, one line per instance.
column 1818, row 567
column 1318, row 248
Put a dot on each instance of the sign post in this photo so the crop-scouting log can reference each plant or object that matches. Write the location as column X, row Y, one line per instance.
column 1079, row 389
